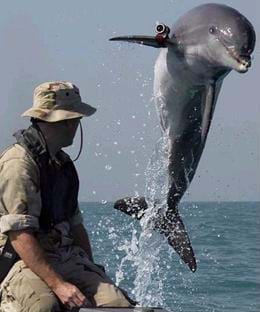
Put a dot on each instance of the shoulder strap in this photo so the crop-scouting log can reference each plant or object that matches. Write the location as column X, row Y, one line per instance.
column 31, row 141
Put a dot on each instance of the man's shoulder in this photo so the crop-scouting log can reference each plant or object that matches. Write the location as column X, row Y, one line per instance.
column 16, row 154
column 15, row 151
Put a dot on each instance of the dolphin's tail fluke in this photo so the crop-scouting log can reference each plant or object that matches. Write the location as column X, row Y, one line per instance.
column 170, row 225
column 173, row 228
column 132, row 206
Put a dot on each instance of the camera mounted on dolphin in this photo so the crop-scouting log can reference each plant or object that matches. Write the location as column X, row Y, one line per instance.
column 160, row 40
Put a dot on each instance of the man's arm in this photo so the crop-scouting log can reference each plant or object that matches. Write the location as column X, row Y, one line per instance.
column 81, row 239
column 30, row 251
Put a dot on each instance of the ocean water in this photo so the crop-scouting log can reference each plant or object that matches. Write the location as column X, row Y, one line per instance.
column 226, row 240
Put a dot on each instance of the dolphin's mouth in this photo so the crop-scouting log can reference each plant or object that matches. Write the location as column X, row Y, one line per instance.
column 243, row 61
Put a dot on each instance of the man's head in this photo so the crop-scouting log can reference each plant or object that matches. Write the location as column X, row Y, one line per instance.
column 57, row 108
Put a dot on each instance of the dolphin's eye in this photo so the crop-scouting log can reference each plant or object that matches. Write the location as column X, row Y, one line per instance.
column 212, row 30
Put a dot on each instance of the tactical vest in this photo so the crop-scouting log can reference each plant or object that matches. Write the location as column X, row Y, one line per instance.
column 59, row 187
column 59, row 183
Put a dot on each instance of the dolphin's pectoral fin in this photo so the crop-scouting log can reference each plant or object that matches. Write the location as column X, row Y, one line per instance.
column 210, row 101
column 132, row 206
column 175, row 232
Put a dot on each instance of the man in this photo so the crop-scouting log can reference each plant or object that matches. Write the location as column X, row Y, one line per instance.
column 39, row 215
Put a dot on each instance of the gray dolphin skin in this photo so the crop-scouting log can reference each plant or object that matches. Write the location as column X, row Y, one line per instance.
column 197, row 53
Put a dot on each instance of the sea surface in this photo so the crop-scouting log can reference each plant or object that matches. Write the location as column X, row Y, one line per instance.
column 226, row 240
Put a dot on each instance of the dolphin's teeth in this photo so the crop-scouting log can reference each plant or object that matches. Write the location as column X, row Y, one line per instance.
column 233, row 53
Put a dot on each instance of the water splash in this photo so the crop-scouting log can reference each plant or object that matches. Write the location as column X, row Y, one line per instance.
column 144, row 251
column 149, row 274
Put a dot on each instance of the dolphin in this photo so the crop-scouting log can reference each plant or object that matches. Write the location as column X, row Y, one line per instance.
column 198, row 52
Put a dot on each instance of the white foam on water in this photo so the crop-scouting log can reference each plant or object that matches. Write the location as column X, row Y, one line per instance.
column 144, row 251
column 149, row 272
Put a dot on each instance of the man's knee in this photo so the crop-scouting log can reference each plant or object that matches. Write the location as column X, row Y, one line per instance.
column 45, row 304
column 23, row 290
column 108, row 295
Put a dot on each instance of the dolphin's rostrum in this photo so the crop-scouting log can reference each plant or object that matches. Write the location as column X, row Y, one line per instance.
column 197, row 53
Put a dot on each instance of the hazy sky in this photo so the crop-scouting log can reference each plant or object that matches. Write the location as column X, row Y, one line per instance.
column 65, row 40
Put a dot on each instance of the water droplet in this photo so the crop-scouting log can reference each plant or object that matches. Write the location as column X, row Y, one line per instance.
column 136, row 193
column 108, row 167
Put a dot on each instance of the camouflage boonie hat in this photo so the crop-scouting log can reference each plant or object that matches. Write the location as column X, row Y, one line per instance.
column 58, row 100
